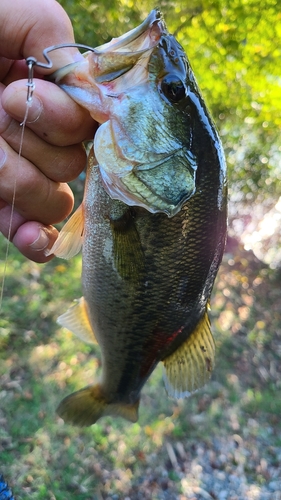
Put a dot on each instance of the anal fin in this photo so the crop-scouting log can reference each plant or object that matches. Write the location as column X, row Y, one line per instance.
column 70, row 239
column 76, row 320
column 190, row 366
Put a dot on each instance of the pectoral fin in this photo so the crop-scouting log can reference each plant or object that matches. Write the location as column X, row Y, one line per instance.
column 128, row 252
column 86, row 406
column 77, row 321
column 70, row 239
column 190, row 366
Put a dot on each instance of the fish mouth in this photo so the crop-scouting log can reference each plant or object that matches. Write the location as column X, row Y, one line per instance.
column 111, row 60
column 117, row 83
column 137, row 39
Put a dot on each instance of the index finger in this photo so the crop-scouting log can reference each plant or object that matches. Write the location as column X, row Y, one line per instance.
column 53, row 115
column 29, row 26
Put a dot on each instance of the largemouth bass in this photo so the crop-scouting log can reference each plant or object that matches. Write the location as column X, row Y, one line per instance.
column 152, row 222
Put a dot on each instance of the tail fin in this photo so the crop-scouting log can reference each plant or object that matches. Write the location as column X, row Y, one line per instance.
column 85, row 407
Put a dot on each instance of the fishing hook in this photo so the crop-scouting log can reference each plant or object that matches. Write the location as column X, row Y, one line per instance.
column 32, row 61
column 30, row 83
column 48, row 65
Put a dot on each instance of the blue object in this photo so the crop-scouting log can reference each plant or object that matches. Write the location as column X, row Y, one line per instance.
column 5, row 492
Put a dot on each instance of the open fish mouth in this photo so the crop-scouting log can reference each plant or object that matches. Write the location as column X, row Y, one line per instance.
column 137, row 39
column 142, row 160
column 112, row 59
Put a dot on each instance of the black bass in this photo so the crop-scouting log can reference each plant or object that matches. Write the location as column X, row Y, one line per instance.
column 152, row 222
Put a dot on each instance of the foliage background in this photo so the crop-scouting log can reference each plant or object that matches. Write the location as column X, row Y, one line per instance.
column 228, row 433
column 234, row 47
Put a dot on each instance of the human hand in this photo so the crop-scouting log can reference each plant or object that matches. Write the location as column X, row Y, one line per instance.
column 52, row 153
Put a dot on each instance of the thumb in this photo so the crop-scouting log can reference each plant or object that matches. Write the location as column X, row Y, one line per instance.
column 29, row 26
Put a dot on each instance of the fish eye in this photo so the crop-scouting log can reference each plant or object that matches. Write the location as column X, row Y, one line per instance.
column 173, row 88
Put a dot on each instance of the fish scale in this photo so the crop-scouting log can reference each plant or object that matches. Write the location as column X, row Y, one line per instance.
column 154, row 229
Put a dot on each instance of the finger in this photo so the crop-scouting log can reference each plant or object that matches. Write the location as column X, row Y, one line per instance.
column 5, row 67
column 32, row 25
column 30, row 237
column 37, row 197
column 33, row 239
column 53, row 115
column 60, row 164
column 11, row 71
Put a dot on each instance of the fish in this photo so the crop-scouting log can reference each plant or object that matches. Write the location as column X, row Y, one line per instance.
column 152, row 224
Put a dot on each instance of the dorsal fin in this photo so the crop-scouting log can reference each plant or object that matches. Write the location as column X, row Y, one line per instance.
column 190, row 366
column 76, row 320
column 70, row 239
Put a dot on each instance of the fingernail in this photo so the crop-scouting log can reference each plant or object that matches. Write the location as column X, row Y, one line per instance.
column 3, row 157
column 35, row 109
column 41, row 241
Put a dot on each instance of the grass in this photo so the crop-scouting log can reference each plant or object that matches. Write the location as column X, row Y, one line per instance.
column 40, row 363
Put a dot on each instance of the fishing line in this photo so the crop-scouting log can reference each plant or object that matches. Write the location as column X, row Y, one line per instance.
column 31, row 62
column 30, row 89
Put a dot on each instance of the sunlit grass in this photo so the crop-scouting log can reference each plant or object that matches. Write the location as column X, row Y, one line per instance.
column 41, row 363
